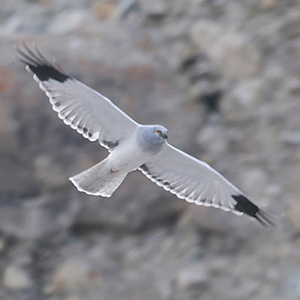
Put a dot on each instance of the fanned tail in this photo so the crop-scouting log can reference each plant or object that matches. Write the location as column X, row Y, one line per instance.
column 98, row 180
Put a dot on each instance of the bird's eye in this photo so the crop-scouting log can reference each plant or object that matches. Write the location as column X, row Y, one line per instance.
column 158, row 131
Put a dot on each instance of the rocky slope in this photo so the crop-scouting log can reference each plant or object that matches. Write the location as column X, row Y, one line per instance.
column 223, row 77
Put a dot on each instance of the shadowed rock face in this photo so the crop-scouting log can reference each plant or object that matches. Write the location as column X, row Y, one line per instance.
column 173, row 63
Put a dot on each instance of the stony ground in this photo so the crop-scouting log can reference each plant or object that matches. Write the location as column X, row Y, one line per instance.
column 224, row 78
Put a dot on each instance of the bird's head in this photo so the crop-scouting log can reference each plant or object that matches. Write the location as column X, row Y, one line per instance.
column 161, row 131
column 152, row 137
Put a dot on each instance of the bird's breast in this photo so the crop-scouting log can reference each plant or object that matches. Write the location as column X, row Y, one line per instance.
column 128, row 156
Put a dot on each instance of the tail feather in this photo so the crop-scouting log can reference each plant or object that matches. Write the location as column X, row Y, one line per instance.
column 98, row 180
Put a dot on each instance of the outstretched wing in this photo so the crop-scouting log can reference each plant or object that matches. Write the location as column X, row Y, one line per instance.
column 85, row 110
column 195, row 181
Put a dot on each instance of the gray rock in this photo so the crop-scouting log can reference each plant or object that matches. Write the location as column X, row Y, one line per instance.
column 155, row 8
column 293, row 214
column 214, row 138
column 75, row 275
column 268, row 4
column 126, row 7
column 68, row 22
column 229, row 51
column 16, row 278
column 38, row 217
column 194, row 277
column 291, row 138
column 72, row 298
column 291, row 285
column 49, row 175
column 105, row 10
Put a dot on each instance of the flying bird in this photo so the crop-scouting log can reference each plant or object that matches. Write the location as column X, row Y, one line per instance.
column 131, row 146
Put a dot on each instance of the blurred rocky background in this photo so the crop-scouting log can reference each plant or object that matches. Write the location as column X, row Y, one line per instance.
column 224, row 78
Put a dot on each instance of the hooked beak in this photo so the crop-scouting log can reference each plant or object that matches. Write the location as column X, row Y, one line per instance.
column 164, row 135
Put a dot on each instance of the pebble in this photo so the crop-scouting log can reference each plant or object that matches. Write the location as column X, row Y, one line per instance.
column 291, row 138
column 67, row 22
column 268, row 4
column 154, row 8
column 104, row 10
column 193, row 277
column 74, row 274
column 15, row 278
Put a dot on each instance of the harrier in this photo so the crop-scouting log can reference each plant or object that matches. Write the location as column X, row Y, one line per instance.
column 132, row 146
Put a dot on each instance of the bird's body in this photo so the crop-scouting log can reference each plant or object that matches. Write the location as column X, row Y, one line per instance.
column 104, row 178
column 125, row 157
column 132, row 146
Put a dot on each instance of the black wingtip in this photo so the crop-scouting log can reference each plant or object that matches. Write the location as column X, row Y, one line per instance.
column 247, row 207
column 38, row 64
